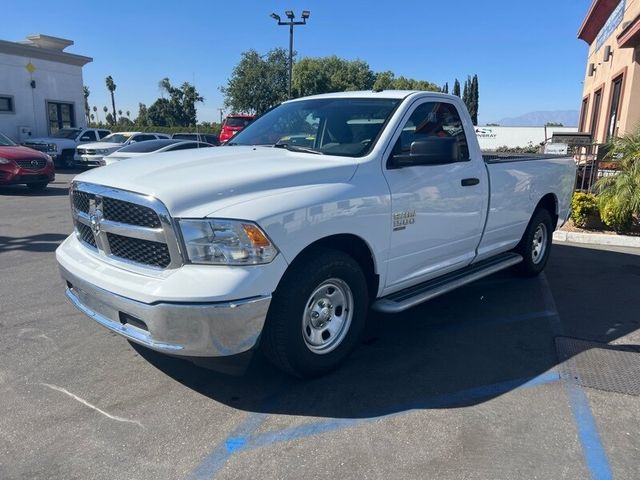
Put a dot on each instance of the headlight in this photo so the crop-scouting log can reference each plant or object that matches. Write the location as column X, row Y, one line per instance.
column 226, row 242
column 52, row 147
column 102, row 151
column 4, row 161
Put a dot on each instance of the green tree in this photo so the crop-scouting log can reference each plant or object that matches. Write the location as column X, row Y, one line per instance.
column 142, row 119
column 160, row 113
column 388, row 81
column 179, row 110
column 312, row 76
column 257, row 83
column 456, row 88
column 87, row 110
column 110, row 120
column 473, row 99
column 111, row 86
column 445, row 88
column 619, row 195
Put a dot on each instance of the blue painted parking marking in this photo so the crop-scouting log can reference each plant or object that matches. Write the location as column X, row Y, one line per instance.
column 592, row 448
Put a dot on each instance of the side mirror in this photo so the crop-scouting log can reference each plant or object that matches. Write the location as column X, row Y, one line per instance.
column 428, row 151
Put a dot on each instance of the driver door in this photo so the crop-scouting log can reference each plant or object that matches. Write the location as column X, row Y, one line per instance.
column 437, row 211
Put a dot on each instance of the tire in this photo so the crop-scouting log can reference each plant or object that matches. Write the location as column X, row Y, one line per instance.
column 535, row 245
column 37, row 187
column 67, row 159
column 317, row 314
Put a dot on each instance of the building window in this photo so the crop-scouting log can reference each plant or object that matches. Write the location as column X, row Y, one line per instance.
column 614, row 110
column 60, row 115
column 6, row 104
column 583, row 114
column 595, row 114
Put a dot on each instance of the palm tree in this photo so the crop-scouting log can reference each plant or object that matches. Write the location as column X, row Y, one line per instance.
column 120, row 112
column 95, row 110
column 619, row 195
column 128, row 114
column 111, row 86
column 86, row 92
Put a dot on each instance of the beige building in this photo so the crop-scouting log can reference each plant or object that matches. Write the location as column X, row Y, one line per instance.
column 611, row 96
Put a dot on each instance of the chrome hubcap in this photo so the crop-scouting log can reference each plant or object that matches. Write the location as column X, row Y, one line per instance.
column 327, row 316
column 539, row 245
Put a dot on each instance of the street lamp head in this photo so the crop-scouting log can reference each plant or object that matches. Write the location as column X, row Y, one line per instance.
column 275, row 17
column 289, row 14
column 305, row 14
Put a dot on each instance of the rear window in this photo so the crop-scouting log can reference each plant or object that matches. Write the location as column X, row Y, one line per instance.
column 237, row 122
column 185, row 136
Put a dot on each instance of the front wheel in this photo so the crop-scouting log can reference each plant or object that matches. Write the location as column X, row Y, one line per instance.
column 317, row 314
column 67, row 159
column 535, row 244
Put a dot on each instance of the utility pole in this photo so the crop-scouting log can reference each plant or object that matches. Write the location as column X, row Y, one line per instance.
column 291, row 23
column 221, row 110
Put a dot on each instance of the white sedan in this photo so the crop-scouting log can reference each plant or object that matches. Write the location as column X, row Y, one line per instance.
column 152, row 146
column 91, row 154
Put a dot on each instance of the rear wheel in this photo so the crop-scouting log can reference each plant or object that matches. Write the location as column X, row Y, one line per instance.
column 535, row 244
column 317, row 314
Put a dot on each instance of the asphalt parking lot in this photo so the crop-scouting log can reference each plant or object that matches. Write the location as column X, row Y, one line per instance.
column 466, row 386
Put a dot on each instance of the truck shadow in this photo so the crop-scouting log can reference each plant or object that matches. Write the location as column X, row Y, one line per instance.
column 496, row 331
column 44, row 242
column 52, row 190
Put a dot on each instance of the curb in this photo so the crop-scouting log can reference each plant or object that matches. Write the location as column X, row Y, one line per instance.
column 596, row 239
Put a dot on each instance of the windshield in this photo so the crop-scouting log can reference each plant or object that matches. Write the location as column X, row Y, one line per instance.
column 332, row 126
column 116, row 138
column 237, row 122
column 66, row 133
column 6, row 141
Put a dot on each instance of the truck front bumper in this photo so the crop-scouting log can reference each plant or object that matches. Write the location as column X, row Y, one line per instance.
column 212, row 329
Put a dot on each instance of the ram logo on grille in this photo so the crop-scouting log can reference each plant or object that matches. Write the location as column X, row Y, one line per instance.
column 125, row 226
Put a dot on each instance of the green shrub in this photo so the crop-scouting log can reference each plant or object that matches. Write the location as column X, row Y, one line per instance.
column 584, row 209
column 618, row 219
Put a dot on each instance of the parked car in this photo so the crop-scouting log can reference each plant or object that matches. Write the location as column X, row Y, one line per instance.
column 22, row 165
column 265, row 243
column 198, row 137
column 61, row 146
column 142, row 149
column 91, row 154
column 234, row 124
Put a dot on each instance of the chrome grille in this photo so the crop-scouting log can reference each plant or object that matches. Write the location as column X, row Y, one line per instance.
column 124, row 226
column 85, row 234
column 41, row 147
column 130, row 213
column 34, row 164
column 139, row 251
column 81, row 200
column 86, row 151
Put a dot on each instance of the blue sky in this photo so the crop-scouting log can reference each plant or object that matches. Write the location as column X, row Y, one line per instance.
column 525, row 53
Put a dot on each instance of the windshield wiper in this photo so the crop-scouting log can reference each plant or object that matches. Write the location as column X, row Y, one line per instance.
column 298, row 148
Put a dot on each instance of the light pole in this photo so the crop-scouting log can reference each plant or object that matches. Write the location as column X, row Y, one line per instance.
column 291, row 23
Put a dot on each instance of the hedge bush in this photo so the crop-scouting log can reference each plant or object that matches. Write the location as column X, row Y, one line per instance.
column 614, row 217
column 584, row 210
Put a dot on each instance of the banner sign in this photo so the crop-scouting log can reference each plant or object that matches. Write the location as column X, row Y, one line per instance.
column 613, row 21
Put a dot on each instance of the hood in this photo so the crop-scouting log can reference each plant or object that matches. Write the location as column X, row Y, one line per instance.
column 196, row 183
column 44, row 140
column 20, row 153
column 101, row 145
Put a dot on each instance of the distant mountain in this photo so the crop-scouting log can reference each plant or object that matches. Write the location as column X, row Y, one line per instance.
column 568, row 118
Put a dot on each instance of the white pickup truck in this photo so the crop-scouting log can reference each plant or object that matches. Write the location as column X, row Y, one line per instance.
column 61, row 146
column 324, row 207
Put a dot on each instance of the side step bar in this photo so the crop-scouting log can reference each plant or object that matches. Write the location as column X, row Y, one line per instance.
column 412, row 296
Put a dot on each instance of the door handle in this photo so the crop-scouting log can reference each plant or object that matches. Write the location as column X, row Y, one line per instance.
column 468, row 182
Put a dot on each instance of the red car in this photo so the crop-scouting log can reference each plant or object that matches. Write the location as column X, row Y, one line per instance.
column 233, row 124
column 22, row 165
